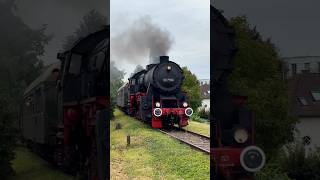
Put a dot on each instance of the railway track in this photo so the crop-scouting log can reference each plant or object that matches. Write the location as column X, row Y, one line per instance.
column 194, row 140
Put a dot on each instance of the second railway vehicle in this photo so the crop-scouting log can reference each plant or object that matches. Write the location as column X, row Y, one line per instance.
column 65, row 110
column 154, row 95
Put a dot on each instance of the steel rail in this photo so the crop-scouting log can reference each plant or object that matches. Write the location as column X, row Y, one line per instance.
column 192, row 139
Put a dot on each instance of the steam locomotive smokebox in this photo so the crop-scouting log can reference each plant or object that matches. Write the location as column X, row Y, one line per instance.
column 164, row 59
column 165, row 77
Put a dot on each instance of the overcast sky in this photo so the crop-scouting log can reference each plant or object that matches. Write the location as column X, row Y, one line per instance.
column 61, row 16
column 186, row 20
column 293, row 25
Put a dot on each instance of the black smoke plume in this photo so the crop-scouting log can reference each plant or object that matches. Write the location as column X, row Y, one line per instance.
column 142, row 39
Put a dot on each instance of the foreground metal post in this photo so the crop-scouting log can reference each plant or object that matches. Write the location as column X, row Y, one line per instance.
column 128, row 140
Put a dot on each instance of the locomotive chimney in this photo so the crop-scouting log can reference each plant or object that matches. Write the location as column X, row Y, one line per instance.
column 164, row 59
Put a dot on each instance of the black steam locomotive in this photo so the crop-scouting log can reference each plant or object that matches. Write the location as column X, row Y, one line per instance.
column 65, row 111
column 233, row 151
column 154, row 95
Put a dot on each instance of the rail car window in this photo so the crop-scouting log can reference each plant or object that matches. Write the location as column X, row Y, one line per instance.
column 75, row 64
column 169, row 103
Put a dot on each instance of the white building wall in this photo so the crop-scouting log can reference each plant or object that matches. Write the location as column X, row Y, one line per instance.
column 309, row 127
column 205, row 104
column 314, row 62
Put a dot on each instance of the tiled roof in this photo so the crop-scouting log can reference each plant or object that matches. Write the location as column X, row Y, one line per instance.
column 205, row 91
column 301, row 101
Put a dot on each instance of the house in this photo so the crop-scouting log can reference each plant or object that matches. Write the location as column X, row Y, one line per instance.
column 304, row 103
column 300, row 64
column 205, row 94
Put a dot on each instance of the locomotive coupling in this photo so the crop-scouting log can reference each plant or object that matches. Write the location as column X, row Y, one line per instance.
column 252, row 158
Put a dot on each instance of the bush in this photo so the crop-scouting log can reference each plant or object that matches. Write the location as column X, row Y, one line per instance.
column 292, row 162
column 195, row 117
column 204, row 114
column 302, row 165
column 7, row 140
column 273, row 170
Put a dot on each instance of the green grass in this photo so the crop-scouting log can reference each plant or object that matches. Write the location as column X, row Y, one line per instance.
column 197, row 127
column 28, row 166
column 152, row 155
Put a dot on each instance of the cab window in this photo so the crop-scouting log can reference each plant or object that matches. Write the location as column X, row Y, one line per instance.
column 96, row 62
column 75, row 64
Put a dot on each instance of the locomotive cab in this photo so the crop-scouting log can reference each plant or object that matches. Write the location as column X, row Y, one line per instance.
column 84, row 67
column 82, row 97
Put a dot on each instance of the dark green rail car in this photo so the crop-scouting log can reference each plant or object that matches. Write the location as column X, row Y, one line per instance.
column 39, row 110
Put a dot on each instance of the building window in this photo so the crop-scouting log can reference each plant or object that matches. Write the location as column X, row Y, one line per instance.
column 306, row 140
column 315, row 95
column 294, row 68
column 307, row 67
column 303, row 101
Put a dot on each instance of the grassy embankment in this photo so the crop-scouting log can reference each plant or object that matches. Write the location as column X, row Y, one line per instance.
column 152, row 155
column 29, row 166
column 197, row 127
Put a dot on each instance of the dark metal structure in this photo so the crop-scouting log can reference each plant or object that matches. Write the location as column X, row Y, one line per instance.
column 233, row 153
column 154, row 95
column 65, row 110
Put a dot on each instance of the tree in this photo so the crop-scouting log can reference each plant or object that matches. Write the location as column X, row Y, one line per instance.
column 116, row 82
column 91, row 22
column 20, row 49
column 191, row 86
column 257, row 75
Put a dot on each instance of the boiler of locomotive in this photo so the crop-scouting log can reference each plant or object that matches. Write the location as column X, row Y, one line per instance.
column 166, row 76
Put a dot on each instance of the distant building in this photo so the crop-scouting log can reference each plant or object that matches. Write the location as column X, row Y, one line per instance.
column 304, row 103
column 205, row 94
column 301, row 64
column 204, row 81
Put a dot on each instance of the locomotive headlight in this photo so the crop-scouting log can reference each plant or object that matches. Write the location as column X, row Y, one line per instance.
column 188, row 111
column 185, row 104
column 158, row 104
column 169, row 68
column 241, row 135
column 157, row 112
column 252, row 158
